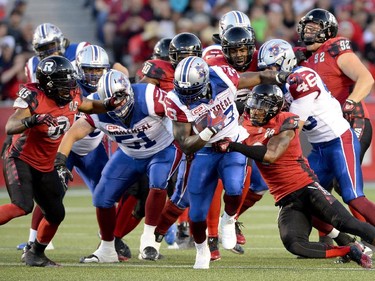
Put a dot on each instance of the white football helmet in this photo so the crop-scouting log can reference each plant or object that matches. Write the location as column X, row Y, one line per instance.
column 92, row 62
column 191, row 79
column 232, row 19
column 116, row 83
column 277, row 52
column 48, row 40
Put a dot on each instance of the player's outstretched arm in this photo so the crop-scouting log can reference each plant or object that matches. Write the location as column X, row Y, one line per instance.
column 79, row 130
column 251, row 79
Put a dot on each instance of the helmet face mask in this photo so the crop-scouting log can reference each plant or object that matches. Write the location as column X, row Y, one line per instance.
column 233, row 19
column 325, row 27
column 48, row 40
column 238, row 46
column 115, row 83
column 263, row 103
column 183, row 45
column 276, row 52
column 191, row 80
column 57, row 78
column 92, row 62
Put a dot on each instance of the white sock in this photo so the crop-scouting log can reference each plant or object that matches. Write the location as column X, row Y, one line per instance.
column 334, row 233
column 107, row 245
column 149, row 230
column 201, row 245
column 32, row 235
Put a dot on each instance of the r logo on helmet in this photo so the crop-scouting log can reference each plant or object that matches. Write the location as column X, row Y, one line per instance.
column 49, row 67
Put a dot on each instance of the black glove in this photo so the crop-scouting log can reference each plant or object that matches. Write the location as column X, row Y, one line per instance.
column 38, row 119
column 6, row 144
column 114, row 101
column 300, row 56
column 64, row 174
column 348, row 108
column 282, row 76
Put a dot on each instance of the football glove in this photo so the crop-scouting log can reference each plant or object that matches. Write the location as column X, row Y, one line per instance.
column 38, row 119
column 348, row 109
column 222, row 145
column 64, row 174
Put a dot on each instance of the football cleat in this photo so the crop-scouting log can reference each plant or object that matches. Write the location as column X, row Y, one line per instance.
column 25, row 249
column 40, row 260
column 238, row 249
column 21, row 246
column 228, row 231
column 203, row 256
column 213, row 245
column 149, row 253
column 359, row 257
column 241, row 239
column 101, row 256
column 123, row 251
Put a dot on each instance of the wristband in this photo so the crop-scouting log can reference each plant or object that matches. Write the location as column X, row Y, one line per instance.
column 206, row 134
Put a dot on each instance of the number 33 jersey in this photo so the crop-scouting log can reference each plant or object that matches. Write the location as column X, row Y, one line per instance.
column 314, row 104
column 149, row 130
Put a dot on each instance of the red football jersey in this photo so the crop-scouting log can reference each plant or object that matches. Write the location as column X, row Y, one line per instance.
column 291, row 171
column 38, row 145
column 161, row 70
column 324, row 62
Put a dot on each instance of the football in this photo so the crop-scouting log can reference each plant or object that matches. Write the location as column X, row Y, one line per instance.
column 200, row 123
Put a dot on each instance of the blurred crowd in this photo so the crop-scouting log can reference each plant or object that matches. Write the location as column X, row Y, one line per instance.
column 129, row 29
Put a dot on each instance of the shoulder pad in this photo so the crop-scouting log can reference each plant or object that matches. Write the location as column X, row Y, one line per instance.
column 339, row 46
column 29, row 96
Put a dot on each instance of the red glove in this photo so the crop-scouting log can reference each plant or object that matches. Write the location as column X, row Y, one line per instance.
column 294, row 78
column 348, row 108
column 114, row 101
column 222, row 145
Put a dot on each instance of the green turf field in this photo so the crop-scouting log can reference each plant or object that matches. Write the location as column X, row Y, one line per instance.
column 264, row 258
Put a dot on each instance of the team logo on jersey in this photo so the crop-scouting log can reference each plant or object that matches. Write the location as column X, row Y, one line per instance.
column 54, row 132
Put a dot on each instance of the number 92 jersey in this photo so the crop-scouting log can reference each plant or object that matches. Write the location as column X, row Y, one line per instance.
column 149, row 130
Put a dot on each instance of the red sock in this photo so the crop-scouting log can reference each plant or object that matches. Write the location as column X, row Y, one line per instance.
column 124, row 213
column 250, row 200
column 232, row 202
column 107, row 220
column 337, row 251
column 168, row 217
column 129, row 227
column 36, row 218
column 198, row 230
column 245, row 190
column 214, row 211
column 155, row 203
column 184, row 217
column 46, row 231
column 364, row 207
column 10, row 211
column 356, row 214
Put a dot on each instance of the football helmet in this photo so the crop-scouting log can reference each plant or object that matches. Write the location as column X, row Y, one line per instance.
column 161, row 49
column 276, row 52
column 183, row 45
column 92, row 62
column 191, row 79
column 57, row 78
column 48, row 40
column 235, row 38
column 116, row 83
column 232, row 19
column 327, row 22
column 263, row 103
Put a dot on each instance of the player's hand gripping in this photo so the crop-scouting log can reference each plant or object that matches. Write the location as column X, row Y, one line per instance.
column 216, row 120
column 222, row 145
column 38, row 119
column 115, row 100
column 348, row 109
column 64, row 174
